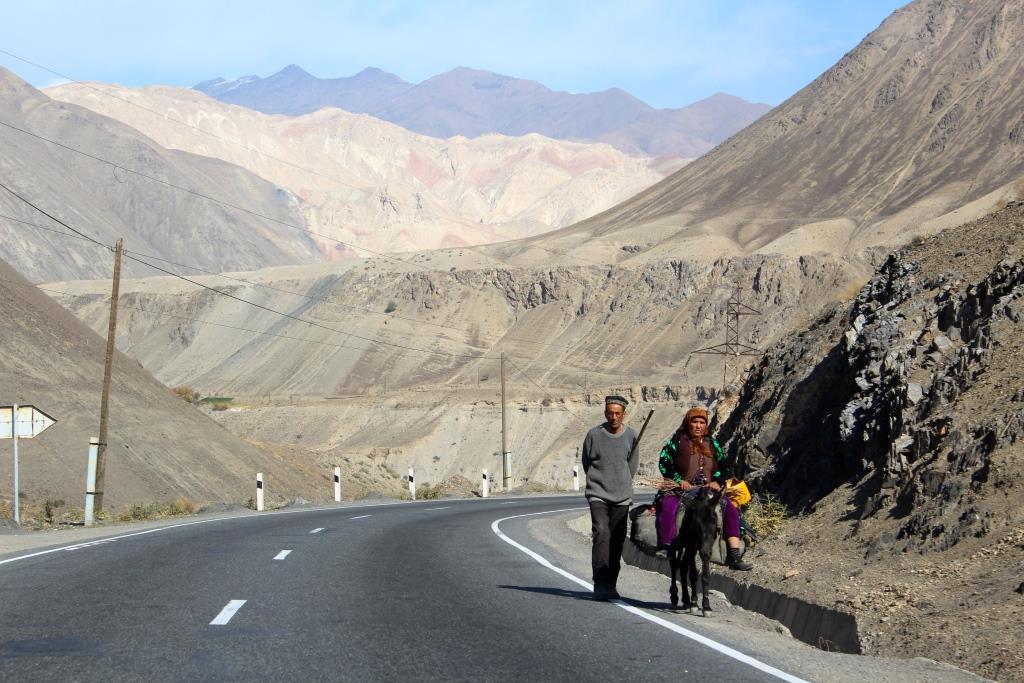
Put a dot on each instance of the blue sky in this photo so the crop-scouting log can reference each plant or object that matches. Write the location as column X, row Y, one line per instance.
column 668, row 53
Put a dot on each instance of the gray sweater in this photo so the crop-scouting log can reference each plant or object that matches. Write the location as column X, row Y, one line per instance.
column 608, row 465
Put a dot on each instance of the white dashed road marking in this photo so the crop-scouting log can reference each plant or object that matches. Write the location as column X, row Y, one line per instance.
column 225, row 614
column 444, row 508
column 360, row 517
column 317, row 530
column 283, row 554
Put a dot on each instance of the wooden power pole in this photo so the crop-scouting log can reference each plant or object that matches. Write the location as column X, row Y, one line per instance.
column 101, row 453
column 506, row 473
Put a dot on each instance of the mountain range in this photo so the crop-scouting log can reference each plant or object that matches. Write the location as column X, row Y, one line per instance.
column 472, row 102
column 119, row 183
column 374, row 184
column 918, row 128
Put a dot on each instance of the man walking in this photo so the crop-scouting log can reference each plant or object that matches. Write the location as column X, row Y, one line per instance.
column 609, row 460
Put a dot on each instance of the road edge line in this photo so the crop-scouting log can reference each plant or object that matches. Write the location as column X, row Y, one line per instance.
column 664, row 623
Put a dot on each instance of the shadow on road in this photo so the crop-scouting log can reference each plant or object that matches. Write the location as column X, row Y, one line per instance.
column 587, row 595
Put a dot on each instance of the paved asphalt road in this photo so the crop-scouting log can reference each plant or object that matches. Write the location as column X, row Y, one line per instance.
column 404, row 591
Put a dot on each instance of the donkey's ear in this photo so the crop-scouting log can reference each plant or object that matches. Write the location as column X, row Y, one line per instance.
column 717, row 496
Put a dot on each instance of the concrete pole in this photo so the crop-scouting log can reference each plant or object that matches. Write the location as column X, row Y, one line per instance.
column 259, row 492
column 14, row 438
column 337, row 484
column 506, row 465
column 575, row 477
column 412, row 484
column 101, row 456
column 485, row 486
column 90, row 482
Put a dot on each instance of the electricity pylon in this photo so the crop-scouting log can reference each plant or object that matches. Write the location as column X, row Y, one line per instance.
column 732, row 349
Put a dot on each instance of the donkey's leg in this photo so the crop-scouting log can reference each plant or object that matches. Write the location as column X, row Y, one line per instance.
column 705, row 581
column 690, row 577
column 673, row 563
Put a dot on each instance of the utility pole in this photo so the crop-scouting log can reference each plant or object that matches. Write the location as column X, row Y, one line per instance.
column 732, row 349
column 101, row 459
column 506, row 474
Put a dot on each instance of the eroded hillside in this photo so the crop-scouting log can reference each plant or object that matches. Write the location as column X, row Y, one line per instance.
column 893, row 428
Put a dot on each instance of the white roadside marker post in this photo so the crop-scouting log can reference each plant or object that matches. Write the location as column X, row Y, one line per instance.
column 575, row 477
column 412, row 485
column 337, row 484
column 90, row 481
column 259, row 492
column 485, row 486
column 14, row 436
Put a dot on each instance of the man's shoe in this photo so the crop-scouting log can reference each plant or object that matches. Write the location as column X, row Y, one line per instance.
column 604, row 593
column 734, row 560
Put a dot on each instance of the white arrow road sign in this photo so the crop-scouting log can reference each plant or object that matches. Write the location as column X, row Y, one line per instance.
column 30, row 422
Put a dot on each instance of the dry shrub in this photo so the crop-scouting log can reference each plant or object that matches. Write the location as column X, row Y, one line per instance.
column 766, row 515
column 183, row 506
column 186, row 393
column 219, row 405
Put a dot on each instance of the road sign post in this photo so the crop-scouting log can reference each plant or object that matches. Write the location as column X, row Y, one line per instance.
column 21, row 422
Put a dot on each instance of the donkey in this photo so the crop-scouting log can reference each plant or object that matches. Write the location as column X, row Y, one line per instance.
column 698, row 530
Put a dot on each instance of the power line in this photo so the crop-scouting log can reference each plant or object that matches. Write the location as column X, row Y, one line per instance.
column 164, row 116
column 416, row 321
column 207, row 197
column 232, row 296
column 543, row 390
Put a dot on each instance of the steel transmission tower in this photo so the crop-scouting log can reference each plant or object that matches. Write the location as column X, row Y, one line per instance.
column 732, row 349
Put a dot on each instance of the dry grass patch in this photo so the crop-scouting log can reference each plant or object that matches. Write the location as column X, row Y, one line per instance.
column 766, row 514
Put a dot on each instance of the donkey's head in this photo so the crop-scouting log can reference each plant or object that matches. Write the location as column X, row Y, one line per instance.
column 706, row 499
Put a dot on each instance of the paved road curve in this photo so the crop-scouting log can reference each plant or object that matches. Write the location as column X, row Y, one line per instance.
column 405, row 591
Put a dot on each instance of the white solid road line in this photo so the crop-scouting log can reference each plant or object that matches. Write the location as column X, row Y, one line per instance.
column 703, row 640
column 317, row 530
column 361, row 517
column 283, row 554
column 444, row 508
column 225, row 614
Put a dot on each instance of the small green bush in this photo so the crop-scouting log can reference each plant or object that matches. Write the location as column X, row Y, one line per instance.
column 391, row 307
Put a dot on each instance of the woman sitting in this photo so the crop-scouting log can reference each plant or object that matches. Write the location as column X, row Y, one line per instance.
column 693, row 459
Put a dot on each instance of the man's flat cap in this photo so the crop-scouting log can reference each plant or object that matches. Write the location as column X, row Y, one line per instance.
column 616, row 399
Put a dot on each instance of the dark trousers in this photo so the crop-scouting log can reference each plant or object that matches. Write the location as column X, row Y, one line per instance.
column 608, row 526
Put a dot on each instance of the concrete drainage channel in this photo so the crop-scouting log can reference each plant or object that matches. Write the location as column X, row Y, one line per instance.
column 815, row 625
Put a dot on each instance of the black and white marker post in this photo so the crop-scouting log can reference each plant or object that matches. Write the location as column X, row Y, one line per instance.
column 485, row 485
column 575, row 477
column 412, row 485
column 90, row 481
column 259, row 492
column 337, row 484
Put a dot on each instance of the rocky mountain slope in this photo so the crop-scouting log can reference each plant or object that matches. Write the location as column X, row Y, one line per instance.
column 376, row 185
column 404, row 361
column 893, row 427
column 159, row 446
column 109, row 202
column 918, row 128
column 471, row 102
